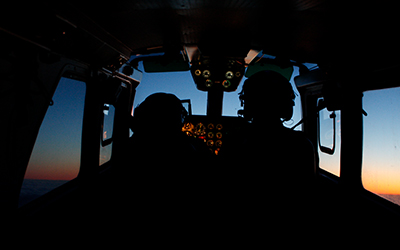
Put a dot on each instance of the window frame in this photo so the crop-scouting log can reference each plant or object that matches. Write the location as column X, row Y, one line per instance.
column 108, row 141
column 336, row 141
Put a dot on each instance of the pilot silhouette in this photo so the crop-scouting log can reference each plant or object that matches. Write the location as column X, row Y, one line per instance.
column 157, row 127
column 279, row 159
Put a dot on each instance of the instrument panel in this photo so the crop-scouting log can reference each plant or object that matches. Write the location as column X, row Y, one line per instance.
column 215, row 133
column 217, row 73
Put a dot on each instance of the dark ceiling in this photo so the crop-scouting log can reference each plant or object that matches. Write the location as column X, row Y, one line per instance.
column 317, row 31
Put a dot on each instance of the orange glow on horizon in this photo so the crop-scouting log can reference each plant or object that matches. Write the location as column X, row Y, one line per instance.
column 53, row 173
column 381, row 189
column 381, row 180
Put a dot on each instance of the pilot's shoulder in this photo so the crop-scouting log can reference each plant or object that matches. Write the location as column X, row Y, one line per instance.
column 301, row 139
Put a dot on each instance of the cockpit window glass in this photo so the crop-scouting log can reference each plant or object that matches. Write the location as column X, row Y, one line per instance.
column 232, row 103
column 180, row 84
column 329, row 137
column 56, row 155
column 297, row 110
column 381, row 156
column 106, row 137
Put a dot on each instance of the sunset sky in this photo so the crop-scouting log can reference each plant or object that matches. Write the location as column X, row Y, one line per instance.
column 56, row 154
column 381, row 156
column 381, row 161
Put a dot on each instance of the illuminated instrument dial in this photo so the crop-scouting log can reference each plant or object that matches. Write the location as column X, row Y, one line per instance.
column 229, row 75
column 210, row 135
column 226, row 83
column 206, row 73
column 188, row 128
column 219, row 126
column 200, row 129
column 219, row 135
column 218, row 143
column 210, row 126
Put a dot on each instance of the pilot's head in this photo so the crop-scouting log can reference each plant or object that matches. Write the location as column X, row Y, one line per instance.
column 267, row 94
column 159, row 114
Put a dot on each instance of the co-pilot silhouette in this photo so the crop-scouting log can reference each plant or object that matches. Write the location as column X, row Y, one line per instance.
column 279, row 162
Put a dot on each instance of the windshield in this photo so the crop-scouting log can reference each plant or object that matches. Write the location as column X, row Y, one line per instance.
column 178, row 83
column 182, row 85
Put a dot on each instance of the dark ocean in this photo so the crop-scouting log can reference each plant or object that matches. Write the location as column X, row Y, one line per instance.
column 32, row 189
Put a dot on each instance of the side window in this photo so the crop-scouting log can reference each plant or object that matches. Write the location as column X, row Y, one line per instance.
column 329, row 141
column 107, row 132
column 381, row 156
column 56, row 155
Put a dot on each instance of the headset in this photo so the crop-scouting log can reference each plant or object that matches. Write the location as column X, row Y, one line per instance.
column 266, row 82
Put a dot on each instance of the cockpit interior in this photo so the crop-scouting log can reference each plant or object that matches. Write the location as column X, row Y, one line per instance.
column 70, row 72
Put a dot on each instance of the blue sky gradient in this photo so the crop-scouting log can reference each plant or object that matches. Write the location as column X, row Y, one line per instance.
column 57, row 151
